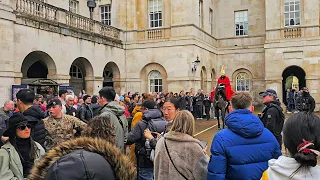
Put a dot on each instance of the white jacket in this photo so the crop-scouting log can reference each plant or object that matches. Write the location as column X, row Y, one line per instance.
column 284, row 167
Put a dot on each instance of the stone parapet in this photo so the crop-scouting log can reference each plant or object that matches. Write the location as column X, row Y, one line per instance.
column 47, row 17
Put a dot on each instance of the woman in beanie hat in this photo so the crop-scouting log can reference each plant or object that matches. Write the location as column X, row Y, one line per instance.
column 19, row 153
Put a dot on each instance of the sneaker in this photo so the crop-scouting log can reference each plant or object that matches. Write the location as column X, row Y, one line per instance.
column 288, row 112
column 296, row 112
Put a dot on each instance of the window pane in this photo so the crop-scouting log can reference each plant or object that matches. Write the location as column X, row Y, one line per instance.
column 156, row 89
column 160, row 82
column 297, row 21
column 291, row 7
column 297, row 14
column 156, row 24
column 151, row 82
column 286, row 23
column 286, row 8
column 160, row 23
column 160, row 89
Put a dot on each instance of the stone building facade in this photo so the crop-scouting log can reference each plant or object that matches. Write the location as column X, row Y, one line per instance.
column 152, row 45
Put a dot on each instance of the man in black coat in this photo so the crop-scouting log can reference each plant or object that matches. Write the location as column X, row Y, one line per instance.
column 85, row 111
column 182, row 100
column 272, row 114
column 25, row 99
column 306, row 102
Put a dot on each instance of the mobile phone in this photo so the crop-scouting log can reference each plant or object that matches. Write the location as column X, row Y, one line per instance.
column 203, row 144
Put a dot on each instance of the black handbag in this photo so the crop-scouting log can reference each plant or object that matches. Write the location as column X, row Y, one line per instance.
column 165, row 144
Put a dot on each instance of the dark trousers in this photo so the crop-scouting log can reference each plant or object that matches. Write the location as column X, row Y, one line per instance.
column 279, row 139
column 207, row 111
column 199, row 111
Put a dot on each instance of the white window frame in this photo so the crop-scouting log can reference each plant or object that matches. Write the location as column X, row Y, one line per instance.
column 201, row 14
column 155, row 10
column 241, row 18
column 292, row 11
column 75, row 74
column 74, row 6
column 155, row 76
column 105, row 14
column 211, row 20
column 245, row 82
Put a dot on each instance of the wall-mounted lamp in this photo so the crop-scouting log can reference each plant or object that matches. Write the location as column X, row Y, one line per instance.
column 195, row 64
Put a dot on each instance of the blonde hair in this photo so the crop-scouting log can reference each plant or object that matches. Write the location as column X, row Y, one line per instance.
column 183, row 122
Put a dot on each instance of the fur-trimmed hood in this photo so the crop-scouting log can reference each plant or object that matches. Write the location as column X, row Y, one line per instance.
column 122, row 167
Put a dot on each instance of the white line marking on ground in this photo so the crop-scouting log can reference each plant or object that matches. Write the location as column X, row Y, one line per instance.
column 205, row 130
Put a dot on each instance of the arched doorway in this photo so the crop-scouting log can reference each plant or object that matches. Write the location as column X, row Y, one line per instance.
column 80, row 72
column 111, row 76
column 204, row 79
column 38, row 69
column 290, row 76
column 38, row 64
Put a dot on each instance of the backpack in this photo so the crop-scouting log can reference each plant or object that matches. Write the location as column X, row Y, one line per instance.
column 154, row 125
column 305, row 104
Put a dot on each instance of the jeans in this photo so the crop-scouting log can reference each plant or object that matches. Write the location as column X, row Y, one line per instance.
column 145, row 173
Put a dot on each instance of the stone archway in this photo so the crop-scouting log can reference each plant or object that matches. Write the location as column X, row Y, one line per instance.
column 288, row 74
column 81, row 76
column 145, row 76
column 203, row 79
column 111, row 76
column 38, row 64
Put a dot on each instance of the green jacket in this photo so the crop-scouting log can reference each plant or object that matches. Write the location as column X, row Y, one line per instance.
column 115, row 112
column 10, row 164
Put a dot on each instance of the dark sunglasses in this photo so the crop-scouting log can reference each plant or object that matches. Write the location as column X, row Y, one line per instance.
column 24, row 126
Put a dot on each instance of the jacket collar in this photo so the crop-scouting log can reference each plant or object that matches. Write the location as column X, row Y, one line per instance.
column 121, row 164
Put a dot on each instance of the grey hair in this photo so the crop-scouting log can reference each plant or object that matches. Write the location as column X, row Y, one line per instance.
column 69, row 96
column 7, row 102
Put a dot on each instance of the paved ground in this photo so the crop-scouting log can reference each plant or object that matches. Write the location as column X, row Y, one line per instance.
column 205, row 130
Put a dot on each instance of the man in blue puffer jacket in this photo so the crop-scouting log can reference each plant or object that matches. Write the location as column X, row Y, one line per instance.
column 242, row 151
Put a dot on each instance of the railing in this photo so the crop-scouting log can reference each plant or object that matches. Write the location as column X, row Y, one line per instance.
column 37, row 9
column 292, row 33
column 79, row 22
column 41, row 10
column 155, row 34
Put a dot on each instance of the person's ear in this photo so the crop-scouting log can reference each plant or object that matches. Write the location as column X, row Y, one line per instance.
column 230, row 108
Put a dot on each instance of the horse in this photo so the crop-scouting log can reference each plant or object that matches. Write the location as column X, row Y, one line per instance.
column 220, row 103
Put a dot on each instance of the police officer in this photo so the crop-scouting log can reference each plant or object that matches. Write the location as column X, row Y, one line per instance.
column 272, row 114
column 305, row 102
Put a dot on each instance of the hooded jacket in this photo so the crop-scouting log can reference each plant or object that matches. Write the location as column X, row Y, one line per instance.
column 35, row 113
column 242, row 151
column 84, row 158
column 115, row 112
column 284, row 167
column 10, row 164
column 136, row 135
column 187, row 155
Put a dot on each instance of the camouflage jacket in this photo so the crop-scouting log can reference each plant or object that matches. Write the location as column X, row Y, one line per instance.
column 60, row 130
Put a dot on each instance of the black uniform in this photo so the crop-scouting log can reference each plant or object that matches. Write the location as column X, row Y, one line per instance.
column 306, row 102
column 273, row 119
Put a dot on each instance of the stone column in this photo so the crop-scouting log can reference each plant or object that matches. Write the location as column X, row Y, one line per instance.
column 93, row 85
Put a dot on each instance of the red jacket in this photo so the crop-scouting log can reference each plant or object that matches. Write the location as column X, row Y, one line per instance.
column 229, row 91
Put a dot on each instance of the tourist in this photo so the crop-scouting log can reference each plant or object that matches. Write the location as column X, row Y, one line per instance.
column 70, row 110
column 178, row 155
column 301, row 137
column 243, row 149
column 19, row 153
column 306, row 102
column 84, row 158
column 25, row 105
column 85, row 113
column 115, row 112
column 152, row 120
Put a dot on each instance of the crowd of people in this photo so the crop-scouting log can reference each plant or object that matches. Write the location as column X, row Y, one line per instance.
column 151, row 136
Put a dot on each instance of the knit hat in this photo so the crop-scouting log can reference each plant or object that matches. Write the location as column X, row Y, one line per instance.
column 85, row 97
column 149, row 104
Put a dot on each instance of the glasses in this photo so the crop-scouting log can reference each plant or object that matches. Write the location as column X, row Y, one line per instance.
column 166, row 109
column 24, row 126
